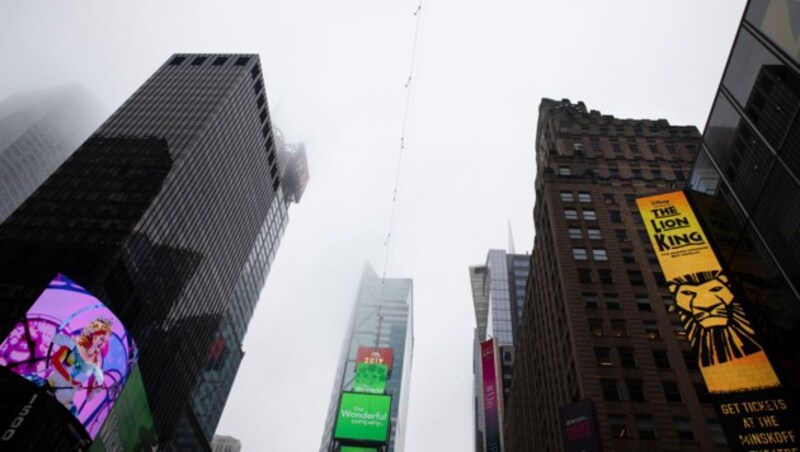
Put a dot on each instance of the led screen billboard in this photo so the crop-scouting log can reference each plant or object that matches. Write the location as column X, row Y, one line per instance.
column 753, row 408
column 370, row 378
column 375, row 355
column 73, row 347
column 492, row 397
column 363, row 417
column 129, row 426
column 577, row 427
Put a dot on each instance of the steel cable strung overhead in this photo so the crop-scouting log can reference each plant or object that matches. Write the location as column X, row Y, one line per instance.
column 406, row 110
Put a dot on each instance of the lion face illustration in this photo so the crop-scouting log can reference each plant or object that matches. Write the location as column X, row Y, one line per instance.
column 714, row 321
column 708, row 301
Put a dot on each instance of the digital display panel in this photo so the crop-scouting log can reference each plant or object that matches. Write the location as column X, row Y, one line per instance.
column 363, row 417
column 370, row 378
column 751, row 404
column 375, row 355
column 577, row 426
column 71, row 345
column 129, row 426
column 357, row 449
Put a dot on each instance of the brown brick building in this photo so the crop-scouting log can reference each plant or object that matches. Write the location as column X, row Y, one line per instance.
column 598, row 321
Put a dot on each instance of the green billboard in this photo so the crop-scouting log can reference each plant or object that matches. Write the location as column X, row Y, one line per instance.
column 357, row 449
column 363, row 417
column 129, row 426
column 371, row 378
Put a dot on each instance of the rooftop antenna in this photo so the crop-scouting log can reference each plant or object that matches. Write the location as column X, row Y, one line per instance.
column 510, row 239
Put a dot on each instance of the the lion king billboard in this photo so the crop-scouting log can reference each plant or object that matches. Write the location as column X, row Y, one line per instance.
column 746, row 391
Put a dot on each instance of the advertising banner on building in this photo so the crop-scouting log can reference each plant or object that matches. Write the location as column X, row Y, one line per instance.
column 749, row 400
column 375, row 355
column 357, row 449
column 363, row 418
column 577, row 425
column 74, row 348
column 371, row 378
column 492, row 397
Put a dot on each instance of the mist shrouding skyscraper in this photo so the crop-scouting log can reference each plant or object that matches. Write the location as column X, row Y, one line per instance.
column 169, row 214
column 381, row 330
column 602, row 359
column 38, row 131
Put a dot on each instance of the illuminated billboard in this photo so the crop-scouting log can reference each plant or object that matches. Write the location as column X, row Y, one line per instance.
column 357, row 449
column 72, row 346
column 375, row 355
column 130, row 423
column 577, row 427
column 370, row 378
column 752, row 406
column 363, row 417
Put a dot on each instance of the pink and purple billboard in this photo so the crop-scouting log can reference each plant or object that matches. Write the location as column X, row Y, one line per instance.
column 73, row 346
column 492, row 397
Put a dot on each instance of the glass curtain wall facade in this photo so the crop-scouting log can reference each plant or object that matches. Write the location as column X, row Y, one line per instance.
column 498, row 295
column 749, row 166
column 382, row 317
column 38, row 131
column 157, row 214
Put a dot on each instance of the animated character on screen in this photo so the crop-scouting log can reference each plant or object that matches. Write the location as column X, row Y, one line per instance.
column 77, row 362
column 715, row 322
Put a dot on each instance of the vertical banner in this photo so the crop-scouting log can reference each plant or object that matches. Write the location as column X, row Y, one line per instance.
column 746, row 391
column 492, row 397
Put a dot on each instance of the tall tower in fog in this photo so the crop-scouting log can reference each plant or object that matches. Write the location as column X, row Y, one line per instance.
column 170, row 213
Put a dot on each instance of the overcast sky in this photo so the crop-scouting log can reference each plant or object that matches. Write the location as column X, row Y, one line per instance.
column 335, row 73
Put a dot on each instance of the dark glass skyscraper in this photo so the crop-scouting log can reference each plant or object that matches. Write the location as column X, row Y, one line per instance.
column 382, row 318
column 749, row 167
column 165, row 213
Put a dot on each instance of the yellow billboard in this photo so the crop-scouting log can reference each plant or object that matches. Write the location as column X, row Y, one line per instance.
column 729, row 356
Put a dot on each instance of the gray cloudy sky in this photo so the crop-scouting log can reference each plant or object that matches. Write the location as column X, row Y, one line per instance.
column 334, row 72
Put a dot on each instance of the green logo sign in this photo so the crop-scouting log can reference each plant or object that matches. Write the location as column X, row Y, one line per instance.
column 363, row 417
column 357, row 449
column 371, row 378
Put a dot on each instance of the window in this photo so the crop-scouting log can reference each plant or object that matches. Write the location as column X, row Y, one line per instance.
column 177, row 61
column 635, row 278
column 637, row 218
column 630, row 199
column 589, row 215
column 577, row 146
column 564, row 171
column 661, row 359
column 628, row 257
column 241, row 61
column 651, row 256
column 684, row 429
column 637, row 173
column 717, row 434
column 651, row 330
column 690, row 358
column 609, row 198
column 626, row 358
column 643, row 303
column 621, row 235
column 589, row 300
column 612, row 300
column 605, row 276
column 198, row 61
column 671, row 391
column 619, row 328
column 669, row 303
column 615, row 216
column 570, row 214
column 579, row 254
column 603, row 355
column 643, row 236
column 702, row 392
column 613, row 173
column 644, row 425
column 660, row 279
column 219, row 61
column 594, row 234
column 575, row 233
column 584, row 275
column 596, row 327
column 619, row 428
column 584, row 197
column 566, row 196
column 610, row 389
column 599, row 254
column 656, row 174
